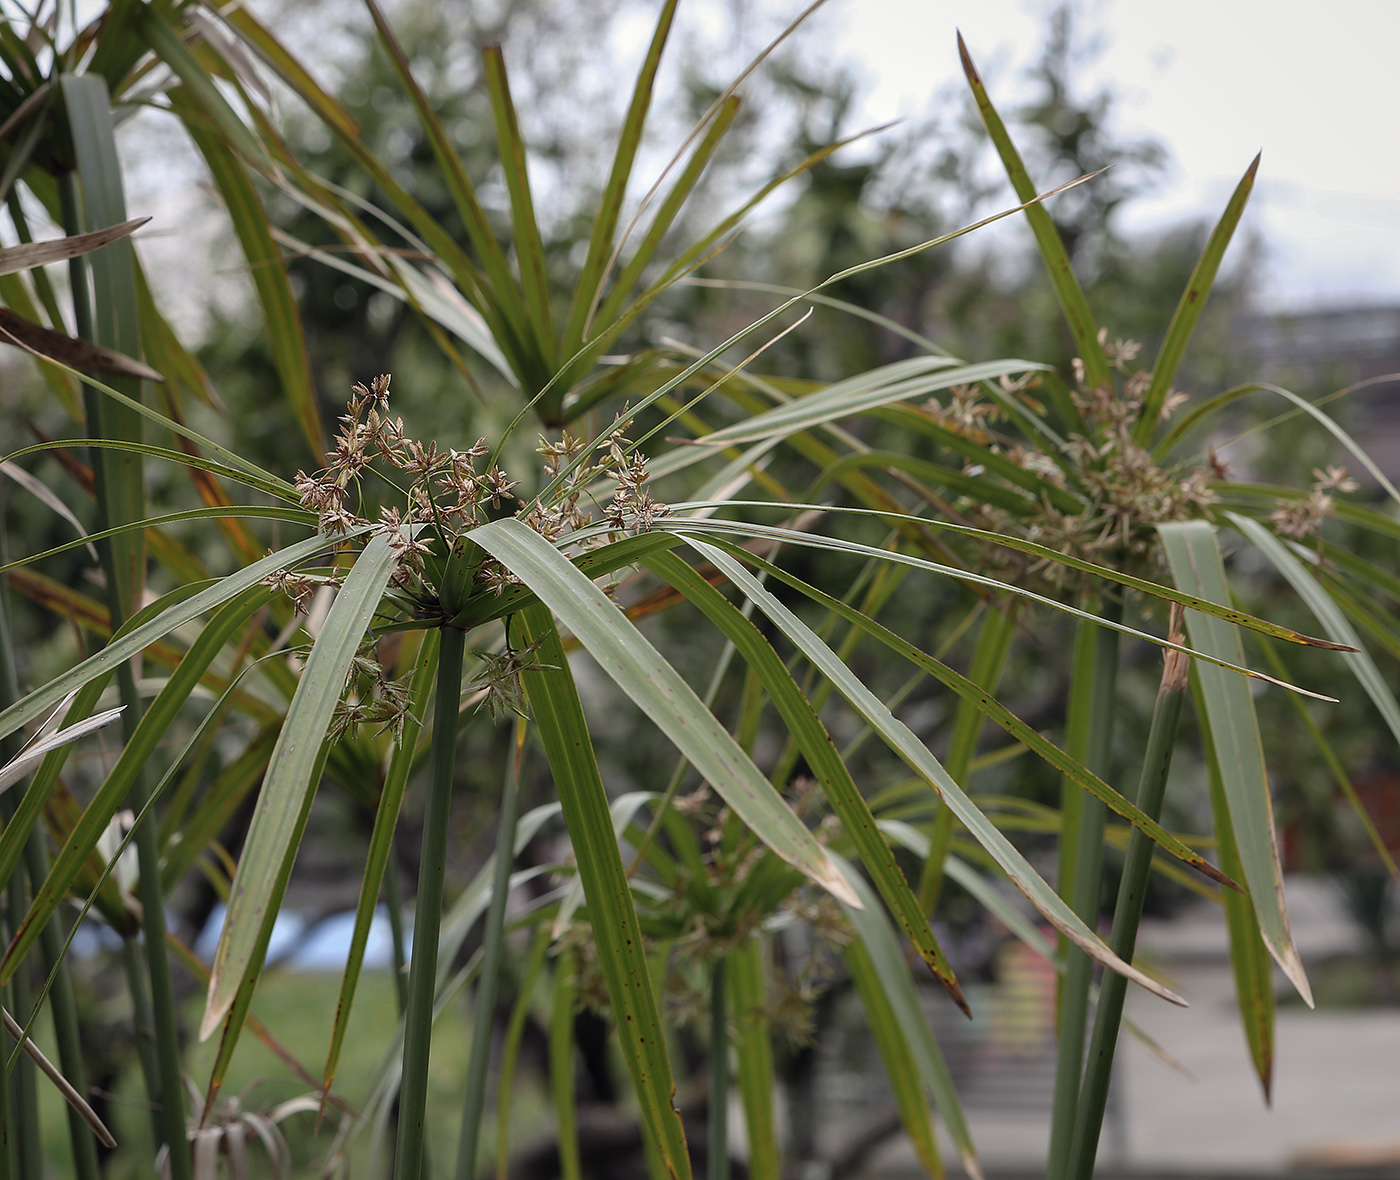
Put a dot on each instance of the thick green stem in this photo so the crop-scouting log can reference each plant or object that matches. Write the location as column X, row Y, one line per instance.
column 427, row 920
column 1081, row 874
column 1127, row 914
column 474, row 1102
column 717, row 1155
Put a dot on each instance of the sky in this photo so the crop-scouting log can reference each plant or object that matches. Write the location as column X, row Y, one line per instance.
column 1216, row 81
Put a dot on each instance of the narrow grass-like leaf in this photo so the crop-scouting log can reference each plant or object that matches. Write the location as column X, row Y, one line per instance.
column 558, row 713
column 900, row 381
column 242, row 999
column 753, row 1050
column 284, row 490
column 291, row 71
column 561, row 1066
column 503, row 307
column 281, row 320
column 903, row 742
column 1106, row 573
column 1249, row 956
column 825, row 763
column 167, row 45
column 1052, row 250
column 510, row 1049
column 1339, row 772
column 1072, row 768
column 529, row 247
column 110, row 322
column 624, row 810
column 988, row 660
column 381, row 845
column 1326, row 611
column 668, row 212
column 639, row 670
column 55, row 1075
column 1188, row 311
column 604, row 230
column 288, row 778
column 901, row 1067
column 889, row 974
column 1193, row 556
column 31, row 254
column 134, row 638
column 116, row 786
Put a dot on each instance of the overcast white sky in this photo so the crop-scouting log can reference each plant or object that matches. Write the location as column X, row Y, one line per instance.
column 1315, row 87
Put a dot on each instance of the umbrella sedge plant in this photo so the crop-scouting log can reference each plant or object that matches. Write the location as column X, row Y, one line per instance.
column 1050, row 491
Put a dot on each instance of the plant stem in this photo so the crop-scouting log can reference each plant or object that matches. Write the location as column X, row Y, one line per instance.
column 24, row 1125
column 393, row 902
column 1097, row 655
column 64, row 1009
column 561, row 1066
column 141, row 1023
column 427, row 921
column 510, row 1053
column 1127, row 914
column 474, row 1102
column 717, row 1156
column 24, row 1095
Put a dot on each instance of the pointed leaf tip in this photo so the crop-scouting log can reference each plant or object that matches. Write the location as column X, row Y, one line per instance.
column 214, row 1012
column 968, row 68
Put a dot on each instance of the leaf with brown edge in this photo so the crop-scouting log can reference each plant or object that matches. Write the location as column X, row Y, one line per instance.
column 68, row 350
column 28, row 255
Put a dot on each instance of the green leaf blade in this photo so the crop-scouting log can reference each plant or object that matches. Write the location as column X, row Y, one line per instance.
column 564, row 732
column 639, row 670
column 1193, row 556
column 289, row 775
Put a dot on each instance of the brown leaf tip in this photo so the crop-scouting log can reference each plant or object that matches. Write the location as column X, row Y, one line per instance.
column 969, row 69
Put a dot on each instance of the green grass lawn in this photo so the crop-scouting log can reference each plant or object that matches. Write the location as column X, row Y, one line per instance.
column 298, row 1009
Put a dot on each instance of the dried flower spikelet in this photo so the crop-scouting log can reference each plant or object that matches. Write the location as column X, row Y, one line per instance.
column 1334, row 479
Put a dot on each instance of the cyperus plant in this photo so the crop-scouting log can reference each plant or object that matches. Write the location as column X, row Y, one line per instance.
column 454, row 584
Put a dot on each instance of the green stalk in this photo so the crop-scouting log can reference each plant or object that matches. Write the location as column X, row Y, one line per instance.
column 141, row 1025
column 474, row 1102
column 515, row 1031
column 9, row 687
column 1096, row 654
column 8, row 1163
column 561, row 1066
column 718, row 1122
column 1127, row 914
column 64, row 1009
column 24, row 1093
column 988, row 661
column 432, row 866
column 393, row 902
